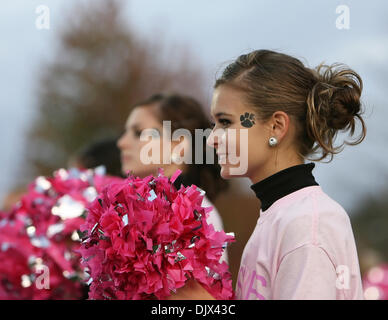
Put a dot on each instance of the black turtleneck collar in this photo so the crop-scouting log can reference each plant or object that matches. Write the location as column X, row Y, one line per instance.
column 179, row 181
column 283, row 183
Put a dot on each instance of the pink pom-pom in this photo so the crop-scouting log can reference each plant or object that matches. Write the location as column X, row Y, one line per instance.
column 40, row 233
column 145, row 239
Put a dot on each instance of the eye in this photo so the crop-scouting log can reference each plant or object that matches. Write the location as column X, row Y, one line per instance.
column 137, row 133
column 224, row 122
column 152, row 132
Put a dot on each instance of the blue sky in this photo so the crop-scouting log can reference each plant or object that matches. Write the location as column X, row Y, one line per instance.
column 218, row 31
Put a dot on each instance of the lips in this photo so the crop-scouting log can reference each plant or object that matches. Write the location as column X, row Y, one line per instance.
column 125, row 157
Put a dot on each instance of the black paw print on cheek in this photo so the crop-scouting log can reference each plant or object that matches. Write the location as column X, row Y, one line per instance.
column 247, row 120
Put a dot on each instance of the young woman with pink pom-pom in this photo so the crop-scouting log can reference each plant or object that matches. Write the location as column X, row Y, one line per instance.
column 303, row 245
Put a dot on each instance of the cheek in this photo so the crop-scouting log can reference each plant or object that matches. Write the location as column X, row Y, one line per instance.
column 237, row 141
column 163, row 143
column 136, row 146
column 230, row 142
column 224, row 141
column 257, row 145
column 153, row 150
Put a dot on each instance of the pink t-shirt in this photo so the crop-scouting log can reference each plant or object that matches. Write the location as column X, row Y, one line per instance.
column 302, row 248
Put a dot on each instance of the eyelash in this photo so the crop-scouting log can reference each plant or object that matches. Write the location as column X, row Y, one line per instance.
column 137, row 133
column 224, row 122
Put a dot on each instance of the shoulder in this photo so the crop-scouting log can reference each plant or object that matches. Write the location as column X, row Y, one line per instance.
column 328, row 209
column 313, row 219
column 314, row 206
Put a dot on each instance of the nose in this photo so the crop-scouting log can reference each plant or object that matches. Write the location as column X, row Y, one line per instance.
column 211, row 141
column 121, row 142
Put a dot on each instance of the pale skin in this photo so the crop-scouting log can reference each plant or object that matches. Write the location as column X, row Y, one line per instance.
column 130, row 145
column 228, row 104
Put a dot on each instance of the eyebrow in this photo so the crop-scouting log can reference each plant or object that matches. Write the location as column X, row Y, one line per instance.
column 220, row 114
column 136, row 126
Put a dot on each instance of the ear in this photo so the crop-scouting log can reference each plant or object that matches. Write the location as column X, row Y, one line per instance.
column 280, row 122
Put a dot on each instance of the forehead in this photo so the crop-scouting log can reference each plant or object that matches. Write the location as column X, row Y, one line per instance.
column 228, row 100
column 143, row 116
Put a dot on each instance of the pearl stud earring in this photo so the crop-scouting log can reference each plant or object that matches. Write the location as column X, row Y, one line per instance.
column 272, row 141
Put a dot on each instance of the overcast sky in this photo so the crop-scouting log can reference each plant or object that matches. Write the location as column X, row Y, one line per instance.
column 218, row 31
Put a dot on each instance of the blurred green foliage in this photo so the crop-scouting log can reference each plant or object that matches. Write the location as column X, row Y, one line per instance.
column 370, row 227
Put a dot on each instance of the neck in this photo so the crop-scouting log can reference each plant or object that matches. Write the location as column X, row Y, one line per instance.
column 264, row 172
column 169, row 170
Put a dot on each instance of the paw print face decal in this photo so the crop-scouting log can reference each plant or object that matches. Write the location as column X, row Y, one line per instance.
column 247, row 120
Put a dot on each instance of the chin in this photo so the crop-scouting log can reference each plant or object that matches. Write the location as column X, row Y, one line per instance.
column 128, row 170
column 226, row 173
column 125, row 171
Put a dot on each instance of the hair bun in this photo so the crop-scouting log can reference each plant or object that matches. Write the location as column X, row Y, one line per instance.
column 337, row 93
column 334, row 104
column 343, row 90
column 345, row 105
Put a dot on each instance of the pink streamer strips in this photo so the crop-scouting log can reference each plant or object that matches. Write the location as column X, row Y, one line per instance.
column 39, row 236
column 144, row 239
